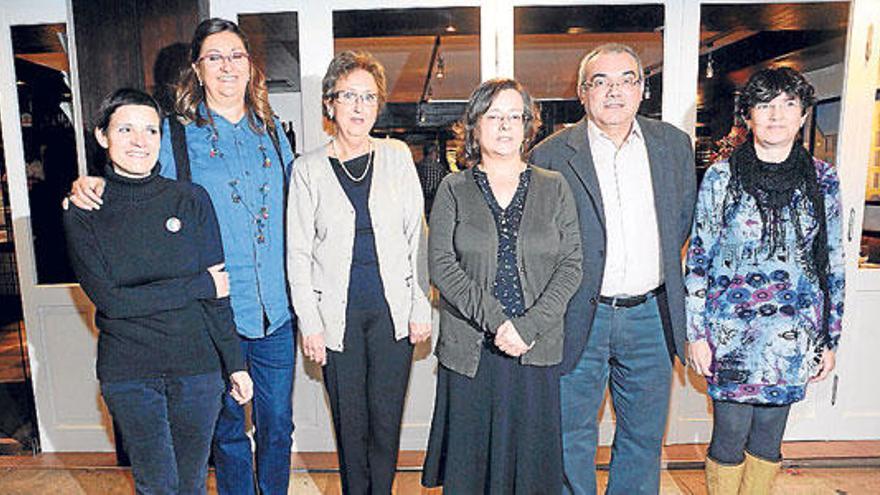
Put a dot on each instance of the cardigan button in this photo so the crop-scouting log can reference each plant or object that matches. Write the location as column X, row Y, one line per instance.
column 593, row 301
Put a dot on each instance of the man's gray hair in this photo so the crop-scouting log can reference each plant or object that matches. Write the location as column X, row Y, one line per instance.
column 607, row 48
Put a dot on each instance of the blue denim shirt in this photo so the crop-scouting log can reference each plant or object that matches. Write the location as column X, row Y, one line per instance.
column 248, row 197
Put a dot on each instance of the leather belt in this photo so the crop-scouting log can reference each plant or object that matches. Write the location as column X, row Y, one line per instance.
column 630, row 301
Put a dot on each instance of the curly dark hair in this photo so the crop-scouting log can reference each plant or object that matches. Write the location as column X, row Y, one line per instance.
column 767, row 84
column 478, row 104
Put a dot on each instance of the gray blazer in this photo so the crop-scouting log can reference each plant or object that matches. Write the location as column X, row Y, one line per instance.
column 671, row 159
column 462, row 251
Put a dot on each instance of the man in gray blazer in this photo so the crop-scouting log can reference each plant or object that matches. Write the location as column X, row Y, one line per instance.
column 634, row 185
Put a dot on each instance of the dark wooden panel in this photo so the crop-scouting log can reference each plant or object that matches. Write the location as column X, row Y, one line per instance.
column 129, row 43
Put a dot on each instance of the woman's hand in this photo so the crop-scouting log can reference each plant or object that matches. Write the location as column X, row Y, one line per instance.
column 221, row 279
column 241, row 387
column 699, row 357
column 314, row 348
column 86, row 193
column 826, row 365
column 508, row 340
column 419, row 332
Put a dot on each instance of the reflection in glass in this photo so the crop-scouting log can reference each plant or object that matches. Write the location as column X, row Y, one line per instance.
column 549, row 43
column 869, row 255
column 18, row 434
column 738, row 40
column 432, row 63
column 44, row 99
column 274, row 43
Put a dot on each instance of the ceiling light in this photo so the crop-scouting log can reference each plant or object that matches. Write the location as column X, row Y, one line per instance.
column 441, row 67
column 710, row 66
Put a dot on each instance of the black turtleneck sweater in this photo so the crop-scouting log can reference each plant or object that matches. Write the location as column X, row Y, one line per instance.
column 142, row 259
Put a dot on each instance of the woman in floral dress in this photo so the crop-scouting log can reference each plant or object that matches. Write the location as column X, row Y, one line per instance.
column 765, row 277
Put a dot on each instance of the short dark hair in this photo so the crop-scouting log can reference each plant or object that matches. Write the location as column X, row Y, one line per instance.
column 343, row 64
column 120, row 98
column 478, row 104
column 767, row 84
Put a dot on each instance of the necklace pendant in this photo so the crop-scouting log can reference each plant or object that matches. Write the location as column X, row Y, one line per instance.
column 267, row 162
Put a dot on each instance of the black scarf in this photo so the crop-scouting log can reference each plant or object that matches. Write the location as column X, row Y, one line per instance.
column 773, row 185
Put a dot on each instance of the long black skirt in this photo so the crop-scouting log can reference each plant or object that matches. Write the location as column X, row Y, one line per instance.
column 496, row 433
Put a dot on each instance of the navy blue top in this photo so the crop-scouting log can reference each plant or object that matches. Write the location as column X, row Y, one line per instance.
column 507, row 288
column 365, row 290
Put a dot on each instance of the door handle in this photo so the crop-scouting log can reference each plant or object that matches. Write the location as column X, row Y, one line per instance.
column 850, row 224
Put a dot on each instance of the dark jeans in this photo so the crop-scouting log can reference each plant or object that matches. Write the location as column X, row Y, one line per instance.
column 367, row 384
column 737, row 428
column 166, row 426
column 270, row 362
column 627, row 352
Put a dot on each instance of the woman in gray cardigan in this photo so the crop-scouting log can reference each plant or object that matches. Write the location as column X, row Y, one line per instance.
column 505, row 254
column 357, row 271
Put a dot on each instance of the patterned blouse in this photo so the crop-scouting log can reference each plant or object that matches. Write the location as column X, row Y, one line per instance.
column 760, row 312
column 507, row 288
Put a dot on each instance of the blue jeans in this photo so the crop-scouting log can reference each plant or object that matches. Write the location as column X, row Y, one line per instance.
column 166, row 426
column 627, row 351
column 270, row 362
column 737, row 428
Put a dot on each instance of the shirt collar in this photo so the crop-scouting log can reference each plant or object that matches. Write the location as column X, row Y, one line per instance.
column 595, row 133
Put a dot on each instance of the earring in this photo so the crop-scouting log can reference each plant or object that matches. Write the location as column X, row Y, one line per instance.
column 330, row 112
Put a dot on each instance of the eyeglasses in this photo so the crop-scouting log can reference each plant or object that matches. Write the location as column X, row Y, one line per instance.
column 628, row 82
column 215, row 60
column 350, row 98
column 513, row 118
column 766, row 107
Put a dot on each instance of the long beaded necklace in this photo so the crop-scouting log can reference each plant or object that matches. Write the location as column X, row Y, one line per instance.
column 261, row 216
column 342, row 163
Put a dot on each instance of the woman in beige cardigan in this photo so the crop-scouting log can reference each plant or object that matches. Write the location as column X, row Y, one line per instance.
column 358, row 271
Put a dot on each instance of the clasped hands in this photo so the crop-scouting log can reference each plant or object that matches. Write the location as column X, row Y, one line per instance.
column 509, row 341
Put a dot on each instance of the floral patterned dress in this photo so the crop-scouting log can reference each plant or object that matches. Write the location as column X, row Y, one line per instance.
column 761, row 312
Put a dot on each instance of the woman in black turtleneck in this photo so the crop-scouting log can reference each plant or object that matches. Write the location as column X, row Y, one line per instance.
column 152, row 263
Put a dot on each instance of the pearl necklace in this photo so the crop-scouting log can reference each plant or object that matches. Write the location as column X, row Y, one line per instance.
column 342, row 163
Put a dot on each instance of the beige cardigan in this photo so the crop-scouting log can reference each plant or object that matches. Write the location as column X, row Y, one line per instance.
column 320, row 238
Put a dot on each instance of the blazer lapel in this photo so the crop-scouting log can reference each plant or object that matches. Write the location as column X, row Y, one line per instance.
column 581, row 162
column 658, row 156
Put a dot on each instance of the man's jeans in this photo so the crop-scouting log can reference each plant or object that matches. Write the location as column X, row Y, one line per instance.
column 626, row 350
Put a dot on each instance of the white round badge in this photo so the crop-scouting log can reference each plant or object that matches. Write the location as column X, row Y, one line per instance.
column 173, row 225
